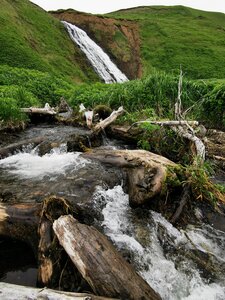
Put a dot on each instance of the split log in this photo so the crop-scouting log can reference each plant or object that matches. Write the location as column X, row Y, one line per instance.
column 146, row 171
column 20, row 221
column 106, row 122
column 17, row 292
column 6, row 151
column 99, row 262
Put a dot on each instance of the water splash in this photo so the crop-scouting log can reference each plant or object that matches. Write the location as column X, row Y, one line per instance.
column 100, row 61
column 173, row 277
column 28, row 164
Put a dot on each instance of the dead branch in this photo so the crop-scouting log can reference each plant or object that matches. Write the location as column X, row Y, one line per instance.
column 106, row 122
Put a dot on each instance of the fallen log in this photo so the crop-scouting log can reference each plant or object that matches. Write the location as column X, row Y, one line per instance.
column 167, row 123
column 99, row 262
column 20, row 221
column 146, row 171
column 106, row 122
column 17, row 292
column 183, row 129
column 47, row 110
column 6, row 151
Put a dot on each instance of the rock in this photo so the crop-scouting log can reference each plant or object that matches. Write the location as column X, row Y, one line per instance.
column 81, row 143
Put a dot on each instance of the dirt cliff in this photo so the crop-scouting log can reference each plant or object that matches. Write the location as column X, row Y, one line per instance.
column 118, row 38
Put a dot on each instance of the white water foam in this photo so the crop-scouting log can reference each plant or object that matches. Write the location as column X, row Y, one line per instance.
column 100, row 61
column 31, row 165
column 173, row 280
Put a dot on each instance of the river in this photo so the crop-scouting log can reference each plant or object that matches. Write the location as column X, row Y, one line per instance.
column 166, row 257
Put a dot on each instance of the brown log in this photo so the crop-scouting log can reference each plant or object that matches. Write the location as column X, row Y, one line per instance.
column 106, row 122
column 15, row 292
column 146, row 171
column 99, row 262
column 20, row 221
column 6, row 151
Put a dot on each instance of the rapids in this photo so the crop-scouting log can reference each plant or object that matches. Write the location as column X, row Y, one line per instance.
column 167, row 258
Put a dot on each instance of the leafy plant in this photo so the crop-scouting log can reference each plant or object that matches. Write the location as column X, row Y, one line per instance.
column 9, row 111
column 203, row 189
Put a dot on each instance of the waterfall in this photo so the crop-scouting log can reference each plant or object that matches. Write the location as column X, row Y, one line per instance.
column 100, row 61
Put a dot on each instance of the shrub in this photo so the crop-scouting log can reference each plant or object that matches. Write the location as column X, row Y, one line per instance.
column 9, row 110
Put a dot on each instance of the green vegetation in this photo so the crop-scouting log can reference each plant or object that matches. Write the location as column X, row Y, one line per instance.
column 9, row 111
column 174, row 36
column 31, row 38
column 197, row 176
column 24, row 88
column 155, row 95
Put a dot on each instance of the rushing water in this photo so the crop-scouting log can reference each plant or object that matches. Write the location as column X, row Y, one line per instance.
column 170, row 260
column 100, row 61
column 156, row 256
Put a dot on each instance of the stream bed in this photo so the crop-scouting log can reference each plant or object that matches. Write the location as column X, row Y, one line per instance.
column 170, row 260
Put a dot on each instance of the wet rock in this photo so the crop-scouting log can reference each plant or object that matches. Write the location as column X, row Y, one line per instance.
column 46, row 147
column 81, row 142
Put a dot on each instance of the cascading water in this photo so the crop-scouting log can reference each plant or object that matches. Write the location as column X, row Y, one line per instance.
column 159, row 251
column 167, row 258
column 100, row 61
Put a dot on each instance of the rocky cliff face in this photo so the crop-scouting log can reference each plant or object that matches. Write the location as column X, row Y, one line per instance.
column 118, row 38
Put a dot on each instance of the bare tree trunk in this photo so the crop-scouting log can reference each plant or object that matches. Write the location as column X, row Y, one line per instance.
column 99, row 262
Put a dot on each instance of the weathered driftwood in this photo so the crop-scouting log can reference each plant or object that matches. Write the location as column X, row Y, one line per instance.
column 106, row 122
column 47, row 110
column 17, row 292
column 183, row 129
column 99, row 262
column 146, row 171
column 6, row 151
column 20, row 221
column 167, row 123
column 199, row 145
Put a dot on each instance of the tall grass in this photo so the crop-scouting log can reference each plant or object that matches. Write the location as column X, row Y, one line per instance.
column 158, row 91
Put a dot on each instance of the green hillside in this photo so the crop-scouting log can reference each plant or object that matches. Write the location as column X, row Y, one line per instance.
column 174, row 36
column 31, row 38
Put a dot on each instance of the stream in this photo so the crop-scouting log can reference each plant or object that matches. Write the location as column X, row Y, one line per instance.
column 170, row 260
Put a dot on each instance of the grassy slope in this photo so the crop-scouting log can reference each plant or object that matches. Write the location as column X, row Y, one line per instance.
column 31, row 38
column 174, row 36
